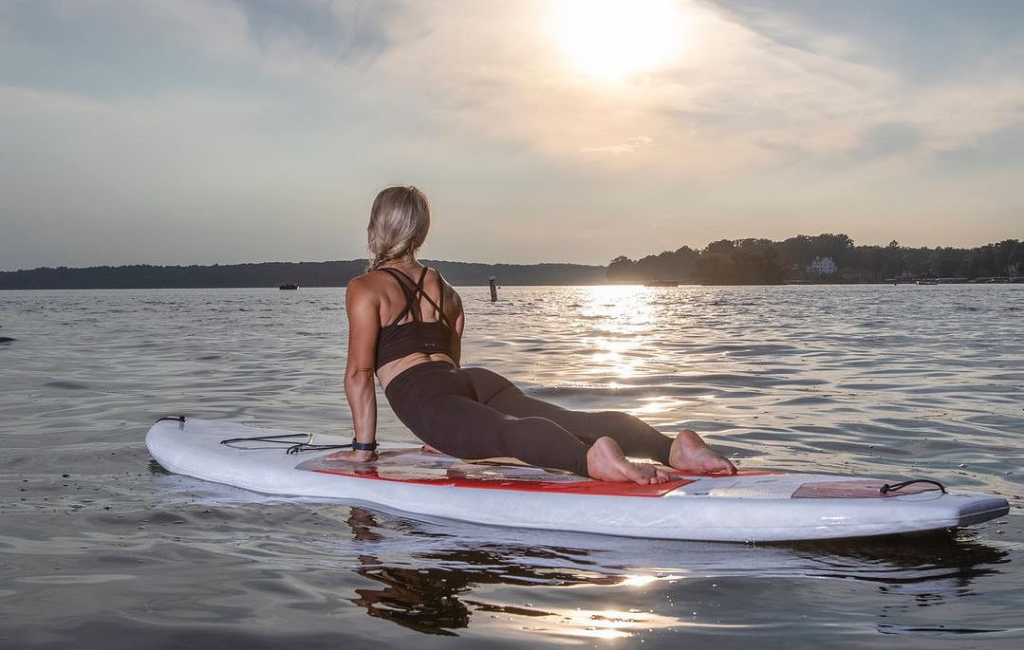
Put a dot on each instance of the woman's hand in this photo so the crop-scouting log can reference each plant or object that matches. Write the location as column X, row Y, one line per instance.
column 352, row 456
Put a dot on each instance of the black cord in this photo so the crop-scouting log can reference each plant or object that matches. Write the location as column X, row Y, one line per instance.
column 886, row 489
column 292, row 447
column 283, row 439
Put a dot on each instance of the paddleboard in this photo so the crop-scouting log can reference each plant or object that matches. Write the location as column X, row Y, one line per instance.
column 746, row 507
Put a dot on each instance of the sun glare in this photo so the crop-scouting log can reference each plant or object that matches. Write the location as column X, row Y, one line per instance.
column 616, row 39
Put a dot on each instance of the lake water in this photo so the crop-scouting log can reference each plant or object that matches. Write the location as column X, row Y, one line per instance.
column 100, row 548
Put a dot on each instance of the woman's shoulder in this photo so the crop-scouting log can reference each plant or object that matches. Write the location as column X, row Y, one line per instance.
column 441, row 278
column 370, row 276
column 367, row 282
column 446, row 286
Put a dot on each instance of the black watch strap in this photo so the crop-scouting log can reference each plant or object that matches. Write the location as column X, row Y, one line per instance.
column 363, row 446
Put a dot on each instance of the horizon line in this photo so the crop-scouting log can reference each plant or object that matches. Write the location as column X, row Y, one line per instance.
column 601, row 265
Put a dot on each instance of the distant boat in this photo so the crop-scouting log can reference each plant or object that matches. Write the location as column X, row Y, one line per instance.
column 661, row 283
column 288, row 287
column 924, row 283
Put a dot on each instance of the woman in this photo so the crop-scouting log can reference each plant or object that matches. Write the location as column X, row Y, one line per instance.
column 405, row 325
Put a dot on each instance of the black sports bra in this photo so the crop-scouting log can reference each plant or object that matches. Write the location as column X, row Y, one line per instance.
column 398, row 340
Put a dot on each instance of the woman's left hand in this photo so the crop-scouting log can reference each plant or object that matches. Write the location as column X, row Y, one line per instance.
column 352, row 456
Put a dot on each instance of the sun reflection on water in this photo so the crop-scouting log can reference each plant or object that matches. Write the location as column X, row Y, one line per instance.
column 626, row 315
column 661, row 410
column 612, row 624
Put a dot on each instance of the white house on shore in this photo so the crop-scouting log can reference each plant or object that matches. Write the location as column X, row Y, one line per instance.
column 823, row 266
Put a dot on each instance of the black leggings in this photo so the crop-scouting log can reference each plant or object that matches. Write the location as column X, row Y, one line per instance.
column 475, row 413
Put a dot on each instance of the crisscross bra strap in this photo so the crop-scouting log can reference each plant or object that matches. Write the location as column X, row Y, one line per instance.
column 413, row 292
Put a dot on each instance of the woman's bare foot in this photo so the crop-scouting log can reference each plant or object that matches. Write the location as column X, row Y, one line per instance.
column 607, row 462
column 690, row 453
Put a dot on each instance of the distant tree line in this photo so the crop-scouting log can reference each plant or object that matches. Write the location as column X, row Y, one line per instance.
column 739, row 261
column 273, row 274
column 762, row 261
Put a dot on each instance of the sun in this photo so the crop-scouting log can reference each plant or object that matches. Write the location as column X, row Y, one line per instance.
column 616, row 39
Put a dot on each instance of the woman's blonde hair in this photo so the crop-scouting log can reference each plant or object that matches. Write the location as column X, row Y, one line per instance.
column 399, row 222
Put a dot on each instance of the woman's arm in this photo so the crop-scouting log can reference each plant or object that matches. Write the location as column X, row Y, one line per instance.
column 460, row 323
column 363, row 330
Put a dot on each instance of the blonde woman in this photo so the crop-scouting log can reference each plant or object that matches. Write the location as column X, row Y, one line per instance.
column 405, row 326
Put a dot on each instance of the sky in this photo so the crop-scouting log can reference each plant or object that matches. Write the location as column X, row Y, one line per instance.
column 223, row 131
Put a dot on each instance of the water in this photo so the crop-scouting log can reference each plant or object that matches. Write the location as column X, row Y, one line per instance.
column 100, row 548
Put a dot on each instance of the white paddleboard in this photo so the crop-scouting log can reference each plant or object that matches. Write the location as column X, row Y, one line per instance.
column 747, row 507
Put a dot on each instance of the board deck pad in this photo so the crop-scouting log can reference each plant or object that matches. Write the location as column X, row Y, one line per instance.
column 423, row 468
column 418, row 467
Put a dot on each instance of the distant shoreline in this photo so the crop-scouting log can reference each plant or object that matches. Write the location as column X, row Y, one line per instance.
column 603, row 282
column 681, row 267
column 276, row 274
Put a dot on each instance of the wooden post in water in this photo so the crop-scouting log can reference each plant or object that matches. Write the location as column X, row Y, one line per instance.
column 494, row 288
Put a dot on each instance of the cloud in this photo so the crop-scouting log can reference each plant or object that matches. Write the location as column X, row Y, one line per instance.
column 755, row 88
column 916, row 64
column 740, row 101
column 629, row 146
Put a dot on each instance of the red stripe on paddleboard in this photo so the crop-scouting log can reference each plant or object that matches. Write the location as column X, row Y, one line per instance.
column 579, row 487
